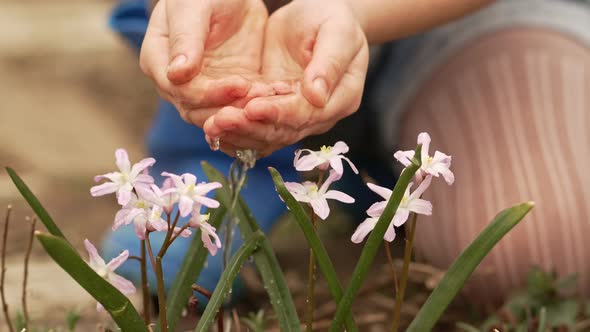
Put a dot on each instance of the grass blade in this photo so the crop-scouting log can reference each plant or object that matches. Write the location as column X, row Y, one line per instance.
column 117, row 304
column 265, row 259
column 373, row 243
column 322, row 257
column 464, row 265
column 227, row 278
column 34, row 203
column 188, row 273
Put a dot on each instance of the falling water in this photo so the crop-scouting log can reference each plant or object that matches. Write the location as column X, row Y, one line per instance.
column 245, row 160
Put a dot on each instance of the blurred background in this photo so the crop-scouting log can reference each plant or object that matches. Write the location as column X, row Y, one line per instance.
column 71, row 94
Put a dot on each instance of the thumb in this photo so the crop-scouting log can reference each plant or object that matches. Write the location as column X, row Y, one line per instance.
column 188, row 26
column 334, row 49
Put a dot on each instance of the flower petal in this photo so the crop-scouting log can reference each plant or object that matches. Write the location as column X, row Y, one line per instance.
column 339, row 148
column 363, row 229
column 189, row 179
column 404, row 157
column 185, row 206
column 123, row 285
column 339, row 196
column 424, row 139
column 400, row 217
column 421, row 206
column 354, row 169
column 140, row 166
column 320, row 207
column 204, row 188
column 95, row 260
column 206, row 201
column 308, row 162
column 377, row 209
column 104, row 189
column 389, row 233
column 421, row 188
column 336, row 163
column 123, row 195
column 117, row 261
column 381, row 191
column 122, row 160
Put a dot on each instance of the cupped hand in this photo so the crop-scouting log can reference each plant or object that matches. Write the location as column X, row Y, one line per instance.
column 321, row 50
column 205, row 54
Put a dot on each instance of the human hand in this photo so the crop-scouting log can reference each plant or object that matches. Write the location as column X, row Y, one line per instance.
column 205, row 54
column 321, row 49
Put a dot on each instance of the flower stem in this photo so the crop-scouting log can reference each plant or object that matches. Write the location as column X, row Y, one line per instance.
column 144, row 284
column 161, row 295
column 310, row 283
column 392, row 266
column 26, row 272
column 399, row 299
column 3, row 272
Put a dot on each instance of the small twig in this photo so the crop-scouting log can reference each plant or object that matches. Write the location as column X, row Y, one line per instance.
column 26, row 272
column 137, row 258
column 399, row 298
column 208, row 295
column 144, row 283
column 150, row 251
column 392, row 266
column 3, row 274
column 310, row 283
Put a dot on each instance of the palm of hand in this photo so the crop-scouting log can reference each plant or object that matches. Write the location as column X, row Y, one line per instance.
column 292, row 37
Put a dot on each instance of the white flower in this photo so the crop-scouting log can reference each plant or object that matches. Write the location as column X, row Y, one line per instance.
column 166, row 197
column 409, row 203
column 190, row 193
column 200, row 221
column 439, row 164
column 144, row 215
column 123, row 182
column 107, row 271
column 308, row 192
column 327, row 156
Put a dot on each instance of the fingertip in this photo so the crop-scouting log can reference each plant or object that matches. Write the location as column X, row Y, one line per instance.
column 316, row 90
column 261, row 110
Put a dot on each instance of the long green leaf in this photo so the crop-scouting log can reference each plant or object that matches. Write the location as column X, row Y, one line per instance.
column 464, row 265
column 117, row 304
column 188, row 273
column 227, row 278
column 34, row 203
column 322, row 257
column 374, row 241
column 265, row 259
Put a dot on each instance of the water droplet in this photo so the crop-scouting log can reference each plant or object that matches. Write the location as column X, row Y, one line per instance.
column 216, row 143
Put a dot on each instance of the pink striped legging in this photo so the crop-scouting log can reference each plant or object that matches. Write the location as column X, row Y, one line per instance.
column 512, row 108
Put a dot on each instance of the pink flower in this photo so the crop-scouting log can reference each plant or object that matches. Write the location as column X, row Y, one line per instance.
column 144, row 215
column 409, row 203
column 123, row 182
column 327, row 156
column 308, row 192
column 167, row 198
column 200, row 221
column 107, row 271
column 190, row 193
column 439, row 164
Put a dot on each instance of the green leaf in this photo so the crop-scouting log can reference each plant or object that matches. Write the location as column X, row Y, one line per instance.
column 322, row 257
column 118, row 306
column 34, row 203
column 563, row 313
column 188, row 273
column 373, row 243
column 464, row 265
column 265, row 259
column 227, row 278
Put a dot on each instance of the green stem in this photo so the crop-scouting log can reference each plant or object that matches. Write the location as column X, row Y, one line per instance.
column 321, row 255
column 144, row 284
column 161, row 295
column 227, row 278
column 311, row 282
column 372, row 245
column 399, row 298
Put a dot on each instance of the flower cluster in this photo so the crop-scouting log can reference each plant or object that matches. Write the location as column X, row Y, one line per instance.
column 317, row 194
column 149, row 207
column 432, row 166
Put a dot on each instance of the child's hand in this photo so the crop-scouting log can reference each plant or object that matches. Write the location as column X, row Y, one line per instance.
column 205, row 54
column 320, row 47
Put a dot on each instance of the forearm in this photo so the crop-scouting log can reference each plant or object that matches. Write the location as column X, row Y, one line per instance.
column 385, row 20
